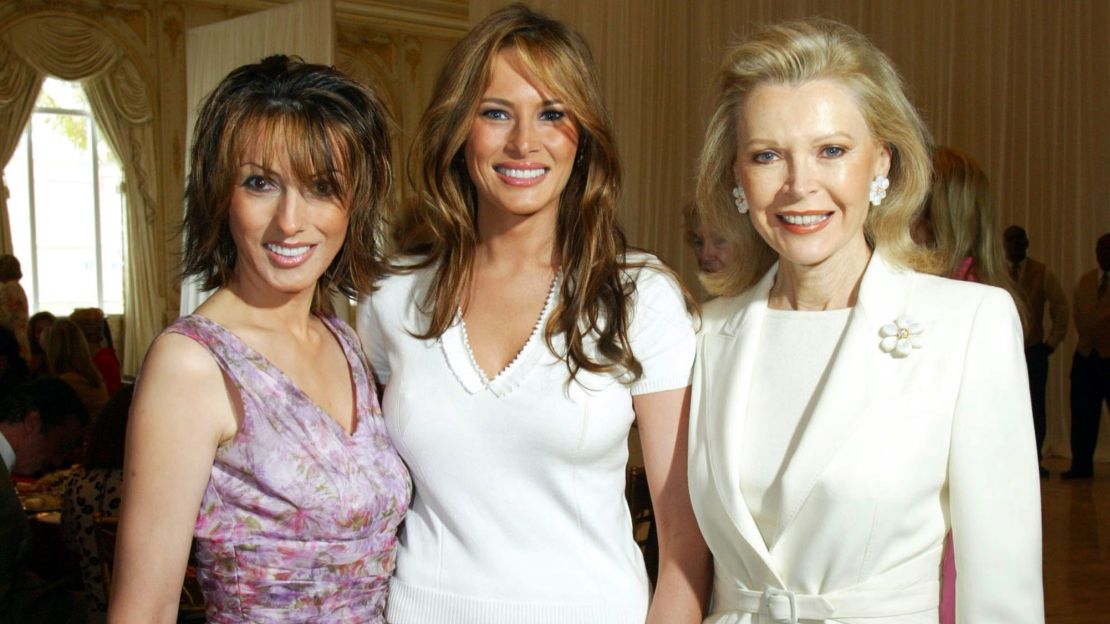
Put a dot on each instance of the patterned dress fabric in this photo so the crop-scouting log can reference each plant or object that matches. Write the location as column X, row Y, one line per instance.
column 299, row 519
column 89, row 492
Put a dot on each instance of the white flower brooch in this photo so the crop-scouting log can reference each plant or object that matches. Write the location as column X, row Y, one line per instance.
column 901, row 337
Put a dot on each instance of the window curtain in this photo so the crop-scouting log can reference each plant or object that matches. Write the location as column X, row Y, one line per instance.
column 71, row 48
column 19, row 86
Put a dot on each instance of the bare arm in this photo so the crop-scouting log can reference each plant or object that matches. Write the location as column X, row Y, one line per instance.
column 180, row 415
column 685, row 566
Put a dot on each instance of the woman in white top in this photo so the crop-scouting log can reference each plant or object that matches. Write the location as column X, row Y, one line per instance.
column 519, row 345
column 847, row 409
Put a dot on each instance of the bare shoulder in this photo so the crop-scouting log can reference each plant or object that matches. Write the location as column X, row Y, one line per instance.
column 181, row 382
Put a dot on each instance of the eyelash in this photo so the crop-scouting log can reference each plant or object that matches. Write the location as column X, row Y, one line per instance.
column 496, row 114
column 824, row 152
column 323, row 188
column 252, row 183
column 260, row 184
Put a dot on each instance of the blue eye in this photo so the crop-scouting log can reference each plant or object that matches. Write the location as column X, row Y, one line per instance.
column 764, row 157
column 833, row 151
column 495, row 114
column 553, row 115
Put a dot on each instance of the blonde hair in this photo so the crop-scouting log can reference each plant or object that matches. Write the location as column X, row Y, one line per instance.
column 800, row 51
column 67, row 351
column 963, row 220
column 440, row 225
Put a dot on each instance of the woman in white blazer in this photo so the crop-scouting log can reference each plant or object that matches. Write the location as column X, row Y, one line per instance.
column 848, row 408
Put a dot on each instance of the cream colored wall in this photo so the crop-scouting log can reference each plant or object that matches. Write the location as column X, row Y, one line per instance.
column 1020, row 84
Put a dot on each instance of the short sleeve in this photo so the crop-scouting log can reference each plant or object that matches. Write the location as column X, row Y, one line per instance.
column 661, row 333
column 994, row 487
column 368, row 322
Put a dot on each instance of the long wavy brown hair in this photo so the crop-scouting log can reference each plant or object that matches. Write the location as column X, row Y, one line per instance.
column 440, row 225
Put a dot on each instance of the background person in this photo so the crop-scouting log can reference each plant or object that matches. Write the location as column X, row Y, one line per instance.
column 519, row 345
column 94, row 488
column 13, row 370
column 1038, row 287
column 1090, row 366
column 68, row 358
column 847, row 410
column 41, row 423
column 92, row 324
column 255, row 426
column 13, row 301
column 37, row 324
column 711, row 247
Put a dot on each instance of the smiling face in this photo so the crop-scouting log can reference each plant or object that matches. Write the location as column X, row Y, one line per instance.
column 806, row 159
column 521, row 149
column 286, row 231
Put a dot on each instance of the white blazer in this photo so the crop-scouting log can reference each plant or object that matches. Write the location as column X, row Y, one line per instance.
column 897, row 451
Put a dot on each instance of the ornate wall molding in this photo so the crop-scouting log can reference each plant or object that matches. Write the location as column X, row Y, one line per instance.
column 444, row 19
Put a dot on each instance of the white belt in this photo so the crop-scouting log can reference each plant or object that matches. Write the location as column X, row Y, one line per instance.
column 786, row 607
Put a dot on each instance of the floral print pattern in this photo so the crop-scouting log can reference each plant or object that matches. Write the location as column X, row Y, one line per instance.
column 298, row 522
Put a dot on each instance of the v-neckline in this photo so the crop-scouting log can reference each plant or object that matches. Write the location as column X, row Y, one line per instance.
column 460, row 357
column 358, row 393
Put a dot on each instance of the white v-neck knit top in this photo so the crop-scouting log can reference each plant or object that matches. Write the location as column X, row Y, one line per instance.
column 519, row 515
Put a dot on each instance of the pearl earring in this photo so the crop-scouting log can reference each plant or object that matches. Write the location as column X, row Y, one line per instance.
column 740, row 199
column 878, row 189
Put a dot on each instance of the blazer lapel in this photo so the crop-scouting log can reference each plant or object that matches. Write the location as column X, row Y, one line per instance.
column 727, row 383
column 858, row 370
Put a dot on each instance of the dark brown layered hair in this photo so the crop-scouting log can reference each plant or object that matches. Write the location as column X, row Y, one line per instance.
column 440, row 226
column 331, row 128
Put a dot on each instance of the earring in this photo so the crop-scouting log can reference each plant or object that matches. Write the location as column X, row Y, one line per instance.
column 878, row 189
column 740, row 199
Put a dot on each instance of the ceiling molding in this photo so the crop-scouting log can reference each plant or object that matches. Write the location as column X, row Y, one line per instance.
column 437, row 18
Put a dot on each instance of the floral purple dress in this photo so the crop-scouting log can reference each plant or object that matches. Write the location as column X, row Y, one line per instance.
column 299, row 519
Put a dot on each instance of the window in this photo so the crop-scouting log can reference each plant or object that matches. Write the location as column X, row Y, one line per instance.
column 66, row 206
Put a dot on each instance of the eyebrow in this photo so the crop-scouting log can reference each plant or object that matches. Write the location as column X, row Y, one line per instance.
column 820, row 139
column 504, row 102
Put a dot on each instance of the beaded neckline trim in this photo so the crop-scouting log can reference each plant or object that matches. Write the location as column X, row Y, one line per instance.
column 547, row 304
column 460, row 357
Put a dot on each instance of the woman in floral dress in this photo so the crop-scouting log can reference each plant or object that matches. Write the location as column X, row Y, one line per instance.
column 256, row 428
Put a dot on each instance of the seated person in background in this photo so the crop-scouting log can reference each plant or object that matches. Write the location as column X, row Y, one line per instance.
column 94, row 488
column 67, row 356
column 40, row 425
column 711, row 246
column 13, row 370
column 36, row 364
column 13, row 300
column 92, row 323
